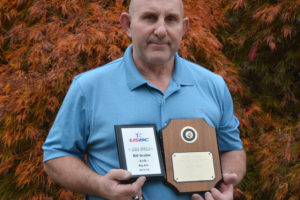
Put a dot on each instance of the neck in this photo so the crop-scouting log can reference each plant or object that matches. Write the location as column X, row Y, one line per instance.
column 158, row 75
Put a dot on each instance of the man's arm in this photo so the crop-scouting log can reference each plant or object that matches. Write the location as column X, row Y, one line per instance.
column 74, row 174
column 234, row 162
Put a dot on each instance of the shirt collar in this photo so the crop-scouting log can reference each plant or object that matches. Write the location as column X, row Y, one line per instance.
column 181, row 76
column 133, row 76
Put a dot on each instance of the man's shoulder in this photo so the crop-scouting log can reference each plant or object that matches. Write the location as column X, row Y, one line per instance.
column 201, row 73
column 101, row 72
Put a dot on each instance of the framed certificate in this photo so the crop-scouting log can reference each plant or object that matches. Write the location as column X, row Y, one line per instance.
column 139, row 151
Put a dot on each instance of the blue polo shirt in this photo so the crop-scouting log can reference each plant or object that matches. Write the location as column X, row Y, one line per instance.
column 117, row 94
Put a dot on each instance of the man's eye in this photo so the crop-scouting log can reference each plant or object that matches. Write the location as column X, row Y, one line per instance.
column 150, row 17
column 171, row 19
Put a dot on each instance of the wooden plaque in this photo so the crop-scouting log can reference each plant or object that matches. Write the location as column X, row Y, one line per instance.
column 191, row 155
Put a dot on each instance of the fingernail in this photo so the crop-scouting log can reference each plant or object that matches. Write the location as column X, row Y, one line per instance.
column 213, row 189
column 143, row 178
column 127, row 175
column 207, row 194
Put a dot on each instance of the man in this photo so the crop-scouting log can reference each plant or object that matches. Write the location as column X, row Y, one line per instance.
column 151, row 84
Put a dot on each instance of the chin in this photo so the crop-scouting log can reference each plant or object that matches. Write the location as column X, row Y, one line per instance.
column 159, row 59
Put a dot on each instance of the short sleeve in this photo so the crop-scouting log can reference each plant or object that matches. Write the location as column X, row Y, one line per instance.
column 69, row 133
column 228, row 132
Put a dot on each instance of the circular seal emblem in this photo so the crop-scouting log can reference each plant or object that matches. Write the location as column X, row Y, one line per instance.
column 189, row 134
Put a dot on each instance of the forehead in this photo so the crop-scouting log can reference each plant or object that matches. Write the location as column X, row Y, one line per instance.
column 165, row 6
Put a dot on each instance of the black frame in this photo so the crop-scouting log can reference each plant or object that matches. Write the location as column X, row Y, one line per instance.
column 121, row 151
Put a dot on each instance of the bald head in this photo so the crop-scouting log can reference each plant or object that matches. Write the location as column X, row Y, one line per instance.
column 156, row 28
column 131, row 6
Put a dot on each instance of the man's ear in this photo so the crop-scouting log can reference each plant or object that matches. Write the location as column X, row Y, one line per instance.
column 186, row 25
column 125, row 23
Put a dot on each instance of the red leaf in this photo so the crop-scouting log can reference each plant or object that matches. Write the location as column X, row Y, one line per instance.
column 253, row 51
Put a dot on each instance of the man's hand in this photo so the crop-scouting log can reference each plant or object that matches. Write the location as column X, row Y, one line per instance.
column 74, row 174
column 113, row 189
column 225, row 191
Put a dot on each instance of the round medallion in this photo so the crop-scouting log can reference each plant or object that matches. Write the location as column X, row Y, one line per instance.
column 189, row 134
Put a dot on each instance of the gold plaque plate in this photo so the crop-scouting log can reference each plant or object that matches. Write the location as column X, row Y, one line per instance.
column 193, row 166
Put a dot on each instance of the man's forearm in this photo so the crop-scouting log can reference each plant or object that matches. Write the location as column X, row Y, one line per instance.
column 74, row 174
column 234, row 162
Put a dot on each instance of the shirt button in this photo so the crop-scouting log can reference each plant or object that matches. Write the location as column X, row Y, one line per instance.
column 164, row 101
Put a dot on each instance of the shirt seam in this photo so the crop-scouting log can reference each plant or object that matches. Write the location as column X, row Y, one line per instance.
column 89, row 110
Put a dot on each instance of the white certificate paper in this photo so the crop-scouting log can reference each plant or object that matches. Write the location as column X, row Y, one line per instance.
column 141, row 152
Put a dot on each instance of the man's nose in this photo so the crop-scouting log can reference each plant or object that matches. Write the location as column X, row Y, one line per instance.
column 160, row 29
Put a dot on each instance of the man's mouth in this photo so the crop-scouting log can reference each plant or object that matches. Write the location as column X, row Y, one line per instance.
column 158, row 43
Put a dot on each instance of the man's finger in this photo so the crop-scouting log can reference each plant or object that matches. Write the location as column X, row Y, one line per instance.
column 138, row 184
column 226, row 193
column 196, row 197
column 118, row 174
column 140, row 181
column 230, row 178
column 216, row 193
column 208, row 196
column 134, row 188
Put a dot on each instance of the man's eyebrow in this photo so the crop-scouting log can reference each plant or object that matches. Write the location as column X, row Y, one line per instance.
column 153, row 12
column 174, row 14
column 148, row 13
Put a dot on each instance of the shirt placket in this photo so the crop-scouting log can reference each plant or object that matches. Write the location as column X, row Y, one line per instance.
column 164, row 108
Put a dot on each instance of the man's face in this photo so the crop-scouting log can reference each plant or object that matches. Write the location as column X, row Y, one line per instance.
column 156, row 29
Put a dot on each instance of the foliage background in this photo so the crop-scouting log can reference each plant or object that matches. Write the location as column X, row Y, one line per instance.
column 254, row 45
